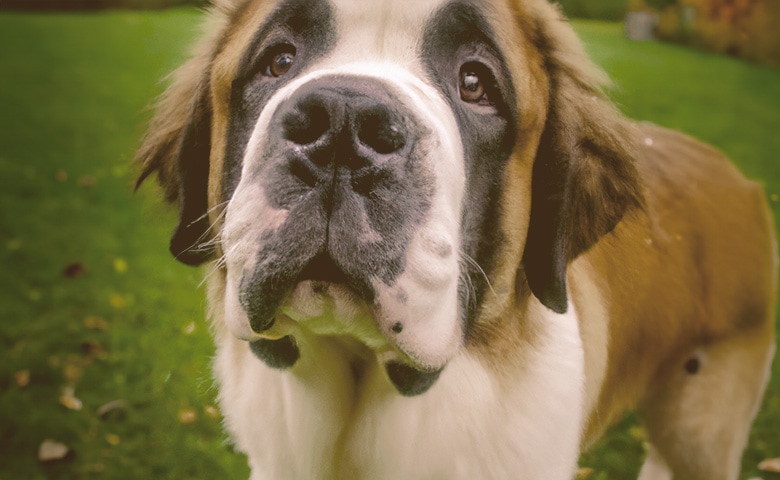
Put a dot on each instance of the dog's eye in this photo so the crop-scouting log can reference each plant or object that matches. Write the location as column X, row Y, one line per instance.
column 476, row 84
column 279, row 61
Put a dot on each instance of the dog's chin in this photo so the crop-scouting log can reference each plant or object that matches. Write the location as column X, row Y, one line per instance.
column 318, row 308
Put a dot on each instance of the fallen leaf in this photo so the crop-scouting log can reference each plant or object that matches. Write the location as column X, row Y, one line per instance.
column 95, row 323
column 86, row 181
column 117, row 301
column 72, row 370
column 108, row 408
column 770, row 465
column 68, row 399
column 189, row 329
column 211, row 411
column 61, row 175
column 584, row 473
column 94, row 350
column 187, row 416
column 112, row 439
column 73, row 270
column 22, row 378
column 120, row 265
column 51, row 450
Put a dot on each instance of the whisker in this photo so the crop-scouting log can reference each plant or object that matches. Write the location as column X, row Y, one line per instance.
column 215, row 267
column 208, row 212
column 201, row 244
column 466, row 278
column 479, row 269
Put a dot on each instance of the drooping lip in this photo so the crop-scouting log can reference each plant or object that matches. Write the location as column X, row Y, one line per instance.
column 410, row 381
column 261, row 295
column 303, row 309
column 283, row 353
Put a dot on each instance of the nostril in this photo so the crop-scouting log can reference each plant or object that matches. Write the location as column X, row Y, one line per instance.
column 307, row 123
column 378, row 131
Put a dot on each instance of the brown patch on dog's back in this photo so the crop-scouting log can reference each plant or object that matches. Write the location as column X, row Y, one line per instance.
column 693, row 266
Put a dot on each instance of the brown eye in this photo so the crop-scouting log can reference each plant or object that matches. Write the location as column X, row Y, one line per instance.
column 478, row 85
column 471, row 87
column 280, row 61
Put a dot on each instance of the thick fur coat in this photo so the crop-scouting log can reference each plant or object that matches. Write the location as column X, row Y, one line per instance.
column 435, row 249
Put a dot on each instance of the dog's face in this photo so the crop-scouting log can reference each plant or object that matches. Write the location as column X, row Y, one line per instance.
column 364, row 169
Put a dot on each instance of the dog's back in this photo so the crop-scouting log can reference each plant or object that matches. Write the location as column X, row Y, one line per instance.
column 691, row 278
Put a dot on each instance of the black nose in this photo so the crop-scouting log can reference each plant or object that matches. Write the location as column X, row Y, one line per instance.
column 343, row 122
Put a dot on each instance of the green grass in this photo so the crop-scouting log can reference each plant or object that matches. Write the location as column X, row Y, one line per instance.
column 72, row 94
column 73, row 97
column 602, row 9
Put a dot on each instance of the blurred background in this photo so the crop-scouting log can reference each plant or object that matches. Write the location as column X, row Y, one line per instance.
column 104, row 349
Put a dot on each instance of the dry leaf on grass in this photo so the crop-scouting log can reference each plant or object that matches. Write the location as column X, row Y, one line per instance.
column 584, row 473
column 86, row 181
column 95, row 323
column 120, row 265
column 189, row 329
column 187, row 416
column 22, row 378
column 770, row 465
column 73, row 270
column 93, row 350
column 211, row 411
column 51, row 450
column 68, row 399
column 73, row 369
column 113, row 406
column 117, row 301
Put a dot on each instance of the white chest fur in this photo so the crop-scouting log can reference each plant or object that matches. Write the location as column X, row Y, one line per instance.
column 313, row 423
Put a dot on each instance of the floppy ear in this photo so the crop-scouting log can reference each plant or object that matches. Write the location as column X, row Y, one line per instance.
column 177, row 147
column 584, row 176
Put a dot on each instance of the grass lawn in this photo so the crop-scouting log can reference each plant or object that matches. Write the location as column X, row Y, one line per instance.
column 95, row 310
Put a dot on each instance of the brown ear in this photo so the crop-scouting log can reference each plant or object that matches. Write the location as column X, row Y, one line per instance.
column 584, row 176
column 177, row 148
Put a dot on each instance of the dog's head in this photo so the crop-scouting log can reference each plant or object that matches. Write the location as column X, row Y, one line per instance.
column 384, row 170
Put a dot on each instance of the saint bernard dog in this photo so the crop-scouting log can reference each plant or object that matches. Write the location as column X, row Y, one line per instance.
column 436, row 251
